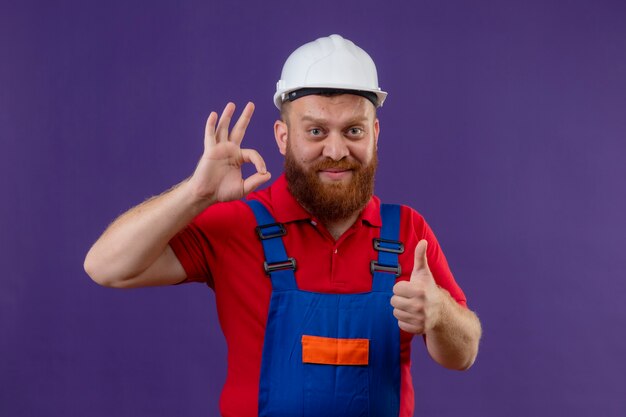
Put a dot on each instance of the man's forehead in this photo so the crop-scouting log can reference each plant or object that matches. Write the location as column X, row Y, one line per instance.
column 343, row 106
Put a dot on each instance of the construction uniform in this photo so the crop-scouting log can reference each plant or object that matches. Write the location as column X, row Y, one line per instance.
column 315, row 349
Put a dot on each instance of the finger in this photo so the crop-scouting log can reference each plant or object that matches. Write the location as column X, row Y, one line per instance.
column 254, row 181
column 239, row 130
column 222, row 127
column 420, row 263
column 409, row 318
column 408, row 323
column 252, row 156
column 404, row 289
column 209, row 131
column 410, row 328
column 409, row 305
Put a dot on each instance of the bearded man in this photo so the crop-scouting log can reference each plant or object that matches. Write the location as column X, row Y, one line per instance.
column 319, row 287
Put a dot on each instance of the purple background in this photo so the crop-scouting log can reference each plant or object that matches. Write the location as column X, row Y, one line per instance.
column 505, row 126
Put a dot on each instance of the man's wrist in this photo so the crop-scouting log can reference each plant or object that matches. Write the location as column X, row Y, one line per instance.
column 189, row 197
column 445, row 304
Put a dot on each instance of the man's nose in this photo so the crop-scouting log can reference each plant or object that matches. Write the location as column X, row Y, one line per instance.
column 335, row 146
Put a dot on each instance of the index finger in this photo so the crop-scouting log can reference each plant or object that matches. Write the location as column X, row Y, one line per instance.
column 239, row 130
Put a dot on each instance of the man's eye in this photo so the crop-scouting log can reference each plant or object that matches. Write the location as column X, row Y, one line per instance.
column 315, row 132
column 356, row 130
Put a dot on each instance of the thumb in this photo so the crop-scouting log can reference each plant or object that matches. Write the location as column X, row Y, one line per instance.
column 420, row 263
column 255, row 180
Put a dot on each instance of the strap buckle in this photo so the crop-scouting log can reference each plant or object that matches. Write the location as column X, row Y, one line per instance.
column 387, row 245
column 290, row 263
column 272, row 230
column 377, row 267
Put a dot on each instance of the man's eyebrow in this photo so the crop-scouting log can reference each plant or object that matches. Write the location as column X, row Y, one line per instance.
column 355, row 120
column 312, row 119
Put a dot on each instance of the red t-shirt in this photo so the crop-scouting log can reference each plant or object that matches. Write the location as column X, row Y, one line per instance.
column 220, row 247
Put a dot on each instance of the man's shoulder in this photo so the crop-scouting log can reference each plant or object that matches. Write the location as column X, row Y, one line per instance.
column 405, row 209
column 224, row 216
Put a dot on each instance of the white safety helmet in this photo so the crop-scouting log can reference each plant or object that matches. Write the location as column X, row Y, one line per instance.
column 331, row 64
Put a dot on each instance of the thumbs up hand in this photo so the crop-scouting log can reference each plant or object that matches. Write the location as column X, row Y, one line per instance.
column 418, row 303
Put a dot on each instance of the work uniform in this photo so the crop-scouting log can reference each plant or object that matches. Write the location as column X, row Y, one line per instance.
column 221, row 247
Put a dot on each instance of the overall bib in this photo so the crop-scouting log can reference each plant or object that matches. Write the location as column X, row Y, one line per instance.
column 330, row 354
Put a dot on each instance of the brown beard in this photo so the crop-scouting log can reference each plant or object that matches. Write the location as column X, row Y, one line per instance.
column 330, row 201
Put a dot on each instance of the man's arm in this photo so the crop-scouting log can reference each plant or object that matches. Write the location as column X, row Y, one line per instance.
column 134, row 250
column 421, row 307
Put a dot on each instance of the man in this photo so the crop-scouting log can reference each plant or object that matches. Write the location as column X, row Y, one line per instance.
column 319, row 287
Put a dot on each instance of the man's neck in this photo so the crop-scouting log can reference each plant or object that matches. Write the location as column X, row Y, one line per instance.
column 337, row 228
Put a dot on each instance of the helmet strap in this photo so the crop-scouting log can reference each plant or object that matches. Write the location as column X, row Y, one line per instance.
column 294, row 95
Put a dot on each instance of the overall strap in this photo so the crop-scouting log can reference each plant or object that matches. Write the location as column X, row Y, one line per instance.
column 277, row 264
column 387, row 268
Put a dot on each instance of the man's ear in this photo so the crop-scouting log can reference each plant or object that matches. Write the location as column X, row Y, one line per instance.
column 281, row 135
column 376, row 133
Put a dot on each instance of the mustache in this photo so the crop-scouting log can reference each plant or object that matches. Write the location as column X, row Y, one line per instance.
column 342, row 164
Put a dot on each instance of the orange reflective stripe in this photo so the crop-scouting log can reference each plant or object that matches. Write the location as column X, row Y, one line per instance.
column 332, row 351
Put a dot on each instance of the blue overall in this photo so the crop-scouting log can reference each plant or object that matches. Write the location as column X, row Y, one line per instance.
column 291, row 386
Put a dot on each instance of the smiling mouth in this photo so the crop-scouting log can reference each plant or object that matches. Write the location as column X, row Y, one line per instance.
column 335, row 174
